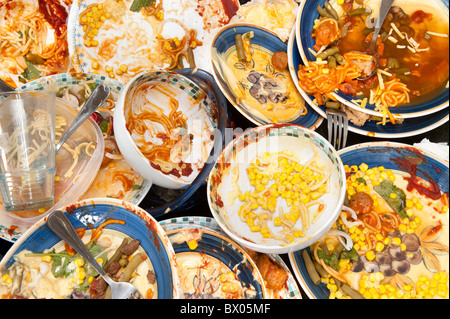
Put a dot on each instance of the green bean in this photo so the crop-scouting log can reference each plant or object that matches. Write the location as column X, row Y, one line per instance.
column 351, row 292
column 325, row 54
column 400, row 70
column 339, row 58
column 392, row 63
column 331, row 10
column 332, row 62
column 310, row 268
column 333, row 105
column 320, row 270
column 132, row 265
column 324, row 13
column 240, row 48
column 116, row 256
column 191, row 58
column 367, row 31
column 358, row 12
column 403, row 78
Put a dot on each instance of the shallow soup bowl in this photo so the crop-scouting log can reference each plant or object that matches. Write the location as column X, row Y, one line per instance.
column 164, row 125
column 257, row 190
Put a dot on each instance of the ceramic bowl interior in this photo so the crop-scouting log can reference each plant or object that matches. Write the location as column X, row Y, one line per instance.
column 223, row 251
column 391, row 156
column 71, row 186
column 194, row 103
column 307, row 14
column 138, row 225
column 264, row 41
column 236, row 157
column 160, row 200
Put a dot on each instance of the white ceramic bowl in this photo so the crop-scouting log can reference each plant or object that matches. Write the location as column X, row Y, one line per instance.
column 195, row 105
column 237, row 155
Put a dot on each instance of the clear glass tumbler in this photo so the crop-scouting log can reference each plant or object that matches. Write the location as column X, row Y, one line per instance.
column 27, row 150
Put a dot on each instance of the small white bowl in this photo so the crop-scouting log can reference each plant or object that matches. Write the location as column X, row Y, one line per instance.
column 236, row 157
column 194, row 103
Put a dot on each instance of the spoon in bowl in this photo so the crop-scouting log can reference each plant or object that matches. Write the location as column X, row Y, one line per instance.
column 63, row 228
column 97, row 97
column 384, row 10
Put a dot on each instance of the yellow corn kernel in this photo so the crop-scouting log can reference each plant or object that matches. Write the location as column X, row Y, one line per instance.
column 396, row 241
column 363, row 167
column 255, row 228
column 340, row 2
column 192, row 244
column 370, row 255
column 95, row 65
column 393, row 195
column 79, row 262
column 277, row 221
column 379, row 247
column 6, row 279
column 299, row 234
column 108, row 68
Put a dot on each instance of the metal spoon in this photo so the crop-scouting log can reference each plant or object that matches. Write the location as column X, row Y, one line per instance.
column 96, row 99
column 384, row 10
column 63, row 228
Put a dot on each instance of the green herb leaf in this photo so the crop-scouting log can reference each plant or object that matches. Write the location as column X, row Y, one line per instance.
column 139, row 4
column 350, row 254
column 385, row 189
column 332, row 260
column 361, row 180
column 31, row 72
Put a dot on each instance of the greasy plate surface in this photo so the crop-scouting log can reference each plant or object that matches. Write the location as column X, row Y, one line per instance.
column 206, row 17
column 138, row 225
column 225, row 40
column 223, row 251
column 290, row 291
column 377, row 154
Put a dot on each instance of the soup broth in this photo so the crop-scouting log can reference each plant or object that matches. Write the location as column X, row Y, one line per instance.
column 427, row 68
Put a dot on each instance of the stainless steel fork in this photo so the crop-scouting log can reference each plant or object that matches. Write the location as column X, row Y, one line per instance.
column 337, row 128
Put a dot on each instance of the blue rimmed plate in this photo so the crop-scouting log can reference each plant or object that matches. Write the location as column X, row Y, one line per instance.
column 203, row 265
column 263, row 40
column 304, row 25
column 392, row 156
column 409, row 127
column 290, row 289
column 138, row 225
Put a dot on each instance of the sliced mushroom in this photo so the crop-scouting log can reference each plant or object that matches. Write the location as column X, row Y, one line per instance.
column 401, row 267
column 414, row 257
column 396, row 252
column 387, row 270
column 358, row 266
column 411, row 241
column 383, row 258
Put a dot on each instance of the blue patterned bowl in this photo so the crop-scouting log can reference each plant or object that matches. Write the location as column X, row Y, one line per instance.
column 138, row 225
column 238, row 154
column 224, row 42
column 376, row 154
column 305, row 21
column 409, row 127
